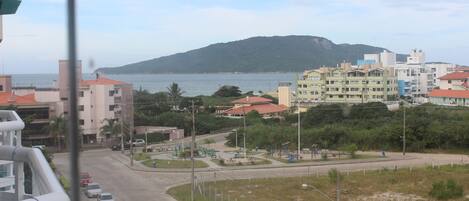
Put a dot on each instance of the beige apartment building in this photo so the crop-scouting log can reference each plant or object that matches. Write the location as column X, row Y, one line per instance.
column 347, row 84
column 99, row 99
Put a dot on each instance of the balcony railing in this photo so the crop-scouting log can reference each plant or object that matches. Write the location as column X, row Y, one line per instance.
column 43, row 182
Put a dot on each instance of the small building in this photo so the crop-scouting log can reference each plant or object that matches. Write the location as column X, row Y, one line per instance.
column 171, row 133
column 453, row 91
column 284, row 94
column 263, row 106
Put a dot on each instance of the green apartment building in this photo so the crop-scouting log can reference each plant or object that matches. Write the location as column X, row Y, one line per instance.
column 347, row 84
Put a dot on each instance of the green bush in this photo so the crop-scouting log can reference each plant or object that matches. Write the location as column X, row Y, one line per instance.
column 333, row 174
column 65, row 183
column 444, row 191
column 351, row 149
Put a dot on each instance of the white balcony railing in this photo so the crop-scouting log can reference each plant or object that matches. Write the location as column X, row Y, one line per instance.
column 44, row 184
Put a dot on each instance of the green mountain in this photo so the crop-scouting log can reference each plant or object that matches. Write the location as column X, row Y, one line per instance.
column 256, row 54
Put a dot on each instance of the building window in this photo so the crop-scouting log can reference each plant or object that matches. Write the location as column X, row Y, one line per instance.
column 81, row 108
column 82, row 93
column 449, row 81
column 1, row 87
column 82, row 122
column 111, row 107
column 64, row 99
column 111, row 93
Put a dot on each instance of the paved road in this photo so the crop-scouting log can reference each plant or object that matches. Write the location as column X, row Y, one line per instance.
column 129, row 185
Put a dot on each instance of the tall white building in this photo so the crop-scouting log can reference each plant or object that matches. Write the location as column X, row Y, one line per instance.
column 387, row 59
column 103, row 99
column 417, row 78
column 416, row 57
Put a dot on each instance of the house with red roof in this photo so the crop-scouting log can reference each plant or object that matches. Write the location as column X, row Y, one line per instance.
column 453, row 90
column 263, row 106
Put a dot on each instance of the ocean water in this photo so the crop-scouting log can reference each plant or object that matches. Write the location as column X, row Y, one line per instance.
column 191, row 84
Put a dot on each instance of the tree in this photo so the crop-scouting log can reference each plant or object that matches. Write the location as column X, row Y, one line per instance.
column 228, row 91
column 56, row 128
column 186, row 103
column 110, row 128
column 175, row 94
column 274, row 100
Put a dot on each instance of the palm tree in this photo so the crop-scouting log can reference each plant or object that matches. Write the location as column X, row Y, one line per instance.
column 111, row 127
column 57, row 129
column 175, row 94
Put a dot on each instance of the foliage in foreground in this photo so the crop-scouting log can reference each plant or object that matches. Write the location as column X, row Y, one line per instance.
column 369, row 126
column 444, row 191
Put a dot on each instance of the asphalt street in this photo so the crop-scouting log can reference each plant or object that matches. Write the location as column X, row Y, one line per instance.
column 128, row 185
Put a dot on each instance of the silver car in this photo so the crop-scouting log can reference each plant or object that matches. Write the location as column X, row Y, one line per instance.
column 93, row 190
column 105, row 197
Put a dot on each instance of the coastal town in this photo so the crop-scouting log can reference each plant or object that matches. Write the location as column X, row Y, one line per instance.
column 288, row 117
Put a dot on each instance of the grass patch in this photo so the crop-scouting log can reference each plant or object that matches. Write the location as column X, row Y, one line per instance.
column 175, row 163
column 257, row 161
column 417, row 182
column 142, row 157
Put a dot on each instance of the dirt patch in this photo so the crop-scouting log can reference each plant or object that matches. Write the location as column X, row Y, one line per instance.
column 390, row 196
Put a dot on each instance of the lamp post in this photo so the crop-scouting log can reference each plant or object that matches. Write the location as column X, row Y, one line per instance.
column 236, row 139
column 299, row 130
column 192, row 152
column 244, row 130
column 403, row 132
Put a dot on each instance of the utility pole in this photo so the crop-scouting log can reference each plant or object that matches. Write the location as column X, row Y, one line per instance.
column 236, row 140
column 121, row 106
column 192, row 152
column 403, row 132
column 338, row 185
column 244, row 130
column 299, row 130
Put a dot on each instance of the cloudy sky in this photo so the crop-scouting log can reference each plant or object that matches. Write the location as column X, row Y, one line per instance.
column 118, row 32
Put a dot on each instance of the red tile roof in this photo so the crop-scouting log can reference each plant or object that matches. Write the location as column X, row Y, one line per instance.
column 8, row 98
column 101, row 81
column 449, row 93
column 455, row 76
column 251, row 100
column 262, row 109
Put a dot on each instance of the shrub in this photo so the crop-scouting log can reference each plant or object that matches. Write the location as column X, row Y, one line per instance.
column 324, row 156
column 444, row 191
column 221, row 161
column 333, row 174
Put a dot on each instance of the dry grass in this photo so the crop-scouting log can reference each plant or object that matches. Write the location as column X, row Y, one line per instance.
column 403, row 183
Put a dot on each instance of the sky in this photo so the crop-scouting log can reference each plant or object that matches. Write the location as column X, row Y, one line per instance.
column 118, row 32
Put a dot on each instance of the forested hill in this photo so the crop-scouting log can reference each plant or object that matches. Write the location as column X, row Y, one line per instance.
column 256, row 54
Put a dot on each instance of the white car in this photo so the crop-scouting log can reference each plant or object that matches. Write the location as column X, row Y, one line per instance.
column 105, row 197
column 93, row 190
column 138, row 143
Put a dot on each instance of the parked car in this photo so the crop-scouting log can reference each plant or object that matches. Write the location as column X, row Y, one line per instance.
column 138, row 142
column 105, row 197
column 117, row 147
column 93, row 190
column 85, row 179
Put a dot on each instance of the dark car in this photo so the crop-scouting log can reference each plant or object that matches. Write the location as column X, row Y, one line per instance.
column 117, row 147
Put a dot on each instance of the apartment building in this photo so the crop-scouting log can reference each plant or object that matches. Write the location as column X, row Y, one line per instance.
column 36, row 105
column 99, row 99
column 416, row 77
column 347, row 84
column 453, row 90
